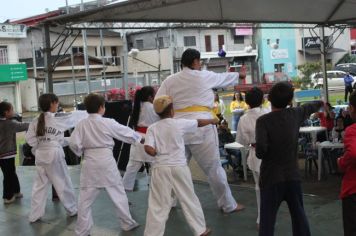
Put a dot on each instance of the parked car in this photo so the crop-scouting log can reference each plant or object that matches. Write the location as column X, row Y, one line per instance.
column 347, row 67
column 335, row 80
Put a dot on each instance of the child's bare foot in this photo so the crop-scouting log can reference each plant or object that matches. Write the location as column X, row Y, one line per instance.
column 207, row 232
column 239, row 207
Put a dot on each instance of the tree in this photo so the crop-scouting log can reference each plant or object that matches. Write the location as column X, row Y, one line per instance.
column 307, row 69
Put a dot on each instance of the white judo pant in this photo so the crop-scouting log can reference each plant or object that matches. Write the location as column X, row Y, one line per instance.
column 130, row 174
column 164, row 180
column 87, row 197
column 256, row 177
column 207, row 156
column 56, row 173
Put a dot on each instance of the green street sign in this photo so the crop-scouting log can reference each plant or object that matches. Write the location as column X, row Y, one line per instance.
column 13, row 72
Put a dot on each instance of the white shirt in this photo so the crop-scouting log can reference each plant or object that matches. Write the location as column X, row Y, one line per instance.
column 246, row 135
column 166, row 137
column 94, row 136
column 147, row 115
column 194, row 88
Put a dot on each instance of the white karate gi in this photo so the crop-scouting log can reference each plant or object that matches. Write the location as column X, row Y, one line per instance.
column 246, row 136
column 50, row 162
column 170, row 172
column 194, row 88
column 94, row 137
column 138, row 156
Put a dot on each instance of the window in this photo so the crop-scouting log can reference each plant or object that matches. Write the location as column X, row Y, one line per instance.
column 207, row 43
column 38, row 53
column 96, row 51
column 77, row 49
column 189, row 41
column 3, row 55
column 160, row 42
column 139, row 43
column 221, row 41
column 239, row 39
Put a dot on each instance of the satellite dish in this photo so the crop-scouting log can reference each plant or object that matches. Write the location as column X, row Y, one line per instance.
column 248, row 49
column 133, row 52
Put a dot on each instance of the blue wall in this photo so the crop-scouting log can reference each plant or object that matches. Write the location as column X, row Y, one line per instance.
column 285, row 54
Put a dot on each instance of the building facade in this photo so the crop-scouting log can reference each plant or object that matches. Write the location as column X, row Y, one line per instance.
column 11, row 72
column 277, row 50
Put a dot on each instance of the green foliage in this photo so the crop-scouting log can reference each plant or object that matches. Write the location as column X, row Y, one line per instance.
column 347, row 58
column 307, row 70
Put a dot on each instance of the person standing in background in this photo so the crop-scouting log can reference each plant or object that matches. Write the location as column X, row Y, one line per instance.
column 237, row 108
column 8, row 151
column 348, row 79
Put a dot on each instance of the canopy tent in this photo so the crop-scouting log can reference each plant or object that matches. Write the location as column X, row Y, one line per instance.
column 319, row 12
column 322, row 12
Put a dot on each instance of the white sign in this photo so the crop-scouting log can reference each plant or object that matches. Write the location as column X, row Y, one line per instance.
column 13, row 31
column 279, row 54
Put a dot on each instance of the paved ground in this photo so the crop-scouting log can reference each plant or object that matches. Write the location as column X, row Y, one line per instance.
column 323, row 212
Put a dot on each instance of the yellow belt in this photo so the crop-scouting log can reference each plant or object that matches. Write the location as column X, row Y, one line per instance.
column 198, row 109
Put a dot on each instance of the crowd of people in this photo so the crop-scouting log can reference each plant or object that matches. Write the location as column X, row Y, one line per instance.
column 183, row 120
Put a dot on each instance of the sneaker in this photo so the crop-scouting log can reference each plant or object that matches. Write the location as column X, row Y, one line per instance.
column 19, row 195
column 9, row 201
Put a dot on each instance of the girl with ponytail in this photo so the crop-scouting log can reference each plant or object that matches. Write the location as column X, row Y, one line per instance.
column 46, row 137
column 143, row 115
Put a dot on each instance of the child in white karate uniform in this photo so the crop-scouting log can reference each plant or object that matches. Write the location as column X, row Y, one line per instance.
column 93, row 137
column 170, row 172
column 46, row 137
column 246, row 136
column 142, row 116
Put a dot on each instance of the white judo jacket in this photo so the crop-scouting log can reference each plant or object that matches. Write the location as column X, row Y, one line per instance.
column 53, row 140
column 194, row 88
column 246, row 135
column 93, row 137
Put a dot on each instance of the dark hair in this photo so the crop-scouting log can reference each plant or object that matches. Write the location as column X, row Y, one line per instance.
column 44, row 102
column 352, row 99
column 240, row 96
column 93, row 102
column 141, row 95
column 216, row 96
column 254, row 97
column 4, row 107
column 281, row 94
column 166, row 112
column 188, row 57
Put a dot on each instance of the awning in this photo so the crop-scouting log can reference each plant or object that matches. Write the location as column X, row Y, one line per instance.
column 316, row 51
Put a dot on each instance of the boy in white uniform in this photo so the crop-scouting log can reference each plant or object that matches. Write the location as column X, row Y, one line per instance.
column 93, row 137
column 170, row 172
column 193, row 98
column 246, row 136
column 46, row 137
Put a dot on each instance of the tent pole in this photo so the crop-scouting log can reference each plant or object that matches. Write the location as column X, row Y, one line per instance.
column 323, row 63
column 125, row 62
column 47, row 59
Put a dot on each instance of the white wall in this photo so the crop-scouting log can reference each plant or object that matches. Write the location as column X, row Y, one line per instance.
column 29, row 95
column 13, row 58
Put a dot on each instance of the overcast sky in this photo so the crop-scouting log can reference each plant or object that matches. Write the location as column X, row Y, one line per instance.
column 18, row 9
